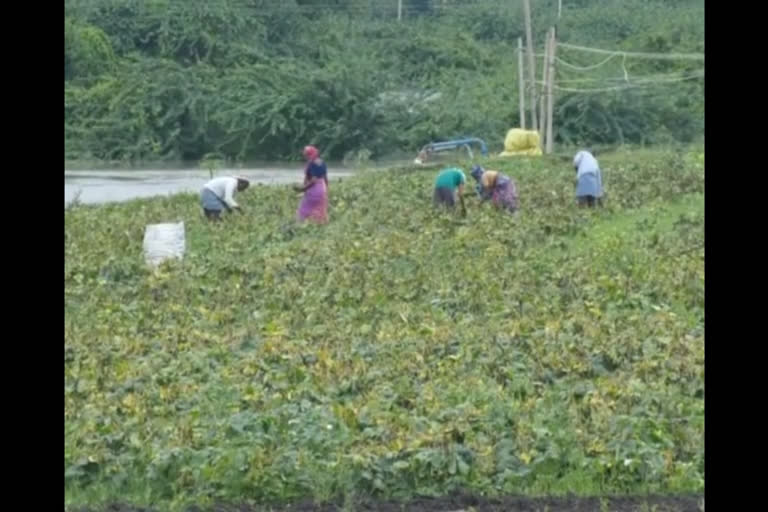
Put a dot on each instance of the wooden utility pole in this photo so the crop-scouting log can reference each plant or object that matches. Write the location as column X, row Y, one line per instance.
column 521, row 81
column 542, row 96
column 550, row 86
column 531, row 63
column 399, row 10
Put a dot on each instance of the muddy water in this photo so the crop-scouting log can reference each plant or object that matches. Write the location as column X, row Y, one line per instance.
column 101, row 186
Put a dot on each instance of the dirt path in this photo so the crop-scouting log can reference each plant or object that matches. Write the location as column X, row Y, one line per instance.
column 102, row 186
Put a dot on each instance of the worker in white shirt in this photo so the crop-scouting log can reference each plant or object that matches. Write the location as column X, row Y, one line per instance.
column 218, row 194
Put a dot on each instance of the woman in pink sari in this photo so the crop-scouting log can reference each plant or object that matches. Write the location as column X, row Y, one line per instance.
column 314, row 204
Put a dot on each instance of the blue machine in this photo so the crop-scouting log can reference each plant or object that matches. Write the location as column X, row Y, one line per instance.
column 436, row 147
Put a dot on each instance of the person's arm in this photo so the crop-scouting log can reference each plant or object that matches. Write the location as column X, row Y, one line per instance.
column 229, row 193
column 316, row 173
column 460, row 191
column 481, row 192
column 321, row 171
column 307, row 184
column 300, row 188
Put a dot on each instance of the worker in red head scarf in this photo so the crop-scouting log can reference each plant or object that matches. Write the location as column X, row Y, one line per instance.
column 314, row 204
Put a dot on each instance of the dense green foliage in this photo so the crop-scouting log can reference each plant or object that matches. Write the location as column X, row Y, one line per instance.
column 395, row 350
column 257, row 79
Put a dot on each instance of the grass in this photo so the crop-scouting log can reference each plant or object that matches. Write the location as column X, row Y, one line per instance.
column 638, row 224
column 395, row 351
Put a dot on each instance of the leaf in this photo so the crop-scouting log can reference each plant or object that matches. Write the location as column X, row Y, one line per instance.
column 400, row 465
column 463, row 467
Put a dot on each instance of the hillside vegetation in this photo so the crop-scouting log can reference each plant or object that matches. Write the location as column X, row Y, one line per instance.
column 257, row 79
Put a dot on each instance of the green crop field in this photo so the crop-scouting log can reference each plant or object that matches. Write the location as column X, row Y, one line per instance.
column 396, row 351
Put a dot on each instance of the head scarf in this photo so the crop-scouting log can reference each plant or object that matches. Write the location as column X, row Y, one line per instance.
column 311, row 152
column 477, row 172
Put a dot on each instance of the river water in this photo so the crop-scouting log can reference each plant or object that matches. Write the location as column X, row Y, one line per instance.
column 100, row 186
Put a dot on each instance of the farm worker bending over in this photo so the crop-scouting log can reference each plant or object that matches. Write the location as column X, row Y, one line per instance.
column 218, row 194
column 314, row 204
column 448, row 186
column 589, row 182
column 496, row 186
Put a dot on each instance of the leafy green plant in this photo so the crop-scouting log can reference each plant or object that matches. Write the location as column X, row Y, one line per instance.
column 212, row 162
column 397, row 350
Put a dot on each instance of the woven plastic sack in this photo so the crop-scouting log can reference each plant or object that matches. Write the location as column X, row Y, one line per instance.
column 521, row 142
column 163, row 242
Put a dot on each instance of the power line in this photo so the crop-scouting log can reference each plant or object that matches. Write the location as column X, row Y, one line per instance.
column 585, row 68
column 631, row 85
column 639, row 55
column 605, row 61
column 659, row 77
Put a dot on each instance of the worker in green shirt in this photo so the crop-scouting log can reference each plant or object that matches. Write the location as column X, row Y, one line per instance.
column 449, row 186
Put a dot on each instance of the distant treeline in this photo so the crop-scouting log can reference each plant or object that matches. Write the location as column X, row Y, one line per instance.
column 258, row 79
